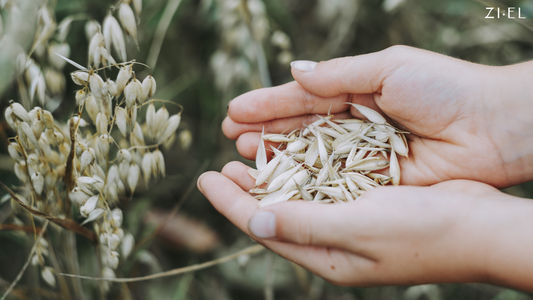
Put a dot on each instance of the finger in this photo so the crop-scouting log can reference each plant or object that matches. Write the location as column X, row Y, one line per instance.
column 466, row 186
column 362, row 74
column 233, row 129
column 304, row 223
column 235, row 204
column 288, row 100
column 238, row 206
column 228, row 198
column 238, row 173
column 248, row 142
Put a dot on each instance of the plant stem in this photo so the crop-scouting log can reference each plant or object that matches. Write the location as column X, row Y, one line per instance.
column 65, row 292
column 176, row 207
column 65, row 223
column 161, row 30
column 19, row 275
column 73, row 266
column 261, row 58
column 268, row 287
column 249, row 250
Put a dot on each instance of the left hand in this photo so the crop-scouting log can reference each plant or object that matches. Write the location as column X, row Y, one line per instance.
column 467, row 121
column 455, row 231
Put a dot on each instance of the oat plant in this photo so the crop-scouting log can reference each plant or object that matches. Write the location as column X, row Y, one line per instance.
column 100, row 156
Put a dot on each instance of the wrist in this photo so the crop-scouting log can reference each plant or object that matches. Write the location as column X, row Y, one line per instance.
column 505, row 238
column 507, row 107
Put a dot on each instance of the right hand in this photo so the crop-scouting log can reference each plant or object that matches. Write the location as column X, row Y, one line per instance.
column 454, row 231
column 467, row 121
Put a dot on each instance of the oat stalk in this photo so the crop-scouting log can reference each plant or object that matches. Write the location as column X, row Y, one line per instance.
column 161, row 30
column 27, row 263
column 65, row 223
column 260, row 52
column 20, row 227
column 249, row 250
column 268, row 286
column 177, row 206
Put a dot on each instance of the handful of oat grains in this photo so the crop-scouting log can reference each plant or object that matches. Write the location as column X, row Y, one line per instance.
column 330, row 160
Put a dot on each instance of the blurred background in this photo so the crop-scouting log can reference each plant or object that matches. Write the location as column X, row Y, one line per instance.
column 204, row 53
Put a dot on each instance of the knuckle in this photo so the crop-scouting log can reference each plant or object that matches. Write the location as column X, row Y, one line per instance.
column 297, row 228
column 304, row 232
column 346, row 70
column 399, row 54
column 341, row 62
column 229, row 167
column 398, row 50
column 307, row 101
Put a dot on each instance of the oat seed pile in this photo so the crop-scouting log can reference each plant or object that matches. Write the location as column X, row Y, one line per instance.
column 330, row 160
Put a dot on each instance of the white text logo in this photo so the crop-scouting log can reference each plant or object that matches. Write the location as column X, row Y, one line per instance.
column 510, row 13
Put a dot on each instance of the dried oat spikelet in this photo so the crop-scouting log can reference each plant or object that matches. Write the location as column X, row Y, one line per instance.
column 147, row 163
column 170, row 128
column 370, row 114
column 111, row 87
column 91, row 105
column 161, row 119
column 329, row 161
column 20, row 112
column 80, row 77
column 159, row 160
column 91, row 28
column 89, row 205
column 133, row 177
column 394, row 168
column 122, row 120
column 48, row 276
column 113, row 35
column 138, row 4
column 148, row 88
column 150, row 121
column 96, row 42
column 127, row 18
column 123, row 77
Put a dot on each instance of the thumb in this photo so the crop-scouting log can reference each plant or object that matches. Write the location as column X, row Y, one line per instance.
column 301, row 223
column 362, row 74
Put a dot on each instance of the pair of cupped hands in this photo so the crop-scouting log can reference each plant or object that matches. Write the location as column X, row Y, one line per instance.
column 471, row 133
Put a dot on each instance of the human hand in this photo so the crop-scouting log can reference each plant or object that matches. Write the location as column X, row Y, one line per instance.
column 467, row 121
column 456, row 231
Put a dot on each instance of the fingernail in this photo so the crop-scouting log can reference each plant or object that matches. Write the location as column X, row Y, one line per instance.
column 263, row 224
column 199, row 183
column 304, row 65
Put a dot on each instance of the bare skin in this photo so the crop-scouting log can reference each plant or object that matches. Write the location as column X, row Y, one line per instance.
column 448, row 229
column 468, row 121
column 455, row 231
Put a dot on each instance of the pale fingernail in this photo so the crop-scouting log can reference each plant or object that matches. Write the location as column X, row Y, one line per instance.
column 199, row 183
column 263, row 224
column 304, row 65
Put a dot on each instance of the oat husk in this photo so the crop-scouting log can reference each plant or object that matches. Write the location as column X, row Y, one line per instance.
column 330, row 160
